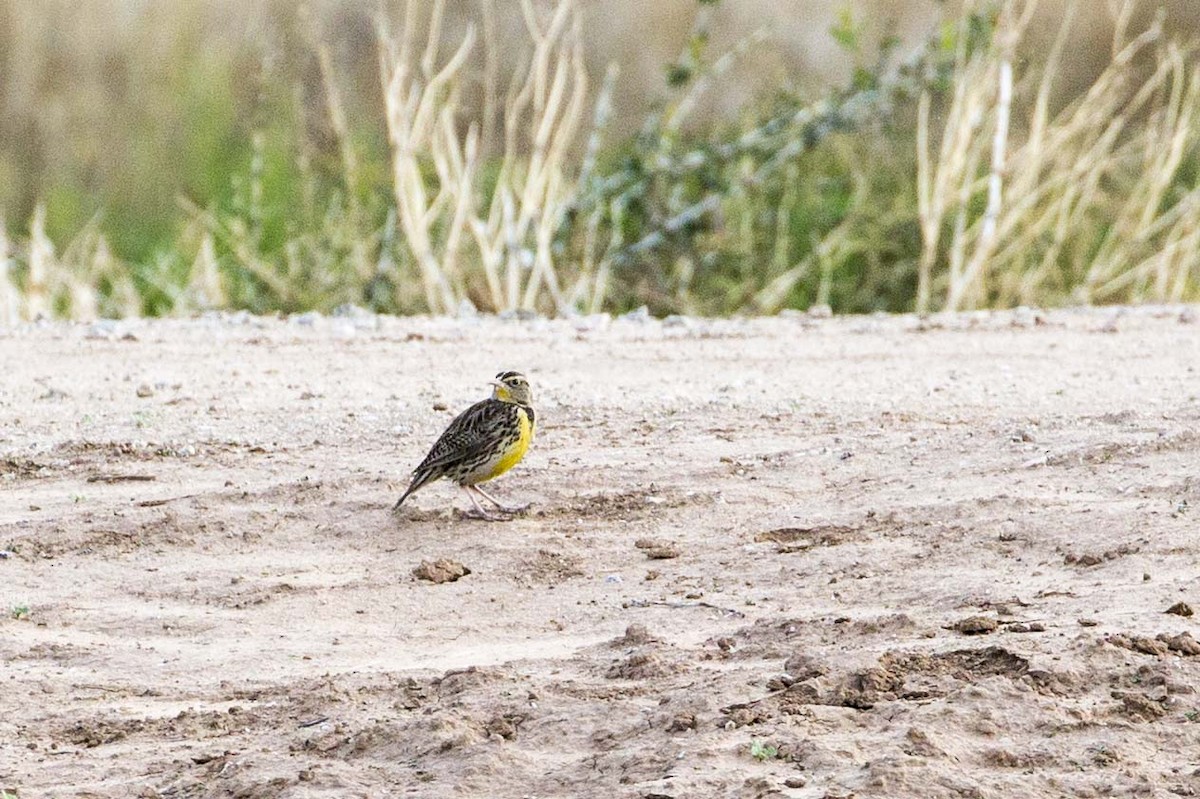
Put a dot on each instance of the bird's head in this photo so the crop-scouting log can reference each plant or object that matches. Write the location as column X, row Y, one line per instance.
column 512, row 387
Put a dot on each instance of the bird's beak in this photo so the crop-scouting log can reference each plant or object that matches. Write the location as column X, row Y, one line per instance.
column 496, row 383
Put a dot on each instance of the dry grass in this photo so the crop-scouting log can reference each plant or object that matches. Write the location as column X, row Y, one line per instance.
column 967, row 186
column 505, row 230
column 1085, row 204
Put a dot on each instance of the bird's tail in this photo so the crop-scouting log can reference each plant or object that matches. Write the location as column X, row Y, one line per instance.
column 419, row 480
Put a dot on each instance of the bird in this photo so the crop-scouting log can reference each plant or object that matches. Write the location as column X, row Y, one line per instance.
column 482, row 443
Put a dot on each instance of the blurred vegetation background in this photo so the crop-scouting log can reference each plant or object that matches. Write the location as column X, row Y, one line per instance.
column 568, row 156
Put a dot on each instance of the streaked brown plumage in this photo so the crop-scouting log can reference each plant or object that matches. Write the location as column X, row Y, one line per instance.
column 482, row 443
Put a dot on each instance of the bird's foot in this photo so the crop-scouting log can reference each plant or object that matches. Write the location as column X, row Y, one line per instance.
column 483, row 515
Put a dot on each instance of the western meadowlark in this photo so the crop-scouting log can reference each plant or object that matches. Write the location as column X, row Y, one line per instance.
column 482, row 443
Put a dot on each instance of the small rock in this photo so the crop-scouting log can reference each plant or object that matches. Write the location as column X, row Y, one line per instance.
column 780, row 683
column 144, row 390
column 640, row 315
column 307, row 319
column 102, row 329
column 1189, row 316
column 442, row 570
column 976, row 625
column 1087, row 622
column 1181, row 609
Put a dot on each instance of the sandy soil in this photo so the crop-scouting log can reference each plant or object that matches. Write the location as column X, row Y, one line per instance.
column 891, row 558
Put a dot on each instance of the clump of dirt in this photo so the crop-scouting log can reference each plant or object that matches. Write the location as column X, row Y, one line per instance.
column 20, row 468
column 1183, row 643
column 635, row 635
column 917, row 743
column 804, row 666
column 640, row 665
column 442, row 570
column 505, row 725
column 657, row 549
column 1007, row 758
column 889, row 680
column 57, row 653
column 1181, row 609
column 1096, row 558
column 548, row 567
column 460, row 681
column 975, row 625
column 800, row 539
column 1139, row 706
column 95, row 732
column 1140, row 644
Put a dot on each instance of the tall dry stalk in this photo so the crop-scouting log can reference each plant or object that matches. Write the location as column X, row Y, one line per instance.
column 10, row 294
column 981, row 99
column 205, row 290
column 42, row 265
column 449, row 214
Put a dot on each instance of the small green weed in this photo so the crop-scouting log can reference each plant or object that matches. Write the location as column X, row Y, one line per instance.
column 763, row 752
column 19, row 612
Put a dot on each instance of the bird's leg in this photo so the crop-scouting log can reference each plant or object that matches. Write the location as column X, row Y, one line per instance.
column 479, row 513
column 501, row 506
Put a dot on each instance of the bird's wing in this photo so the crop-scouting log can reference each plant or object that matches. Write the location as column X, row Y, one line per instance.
column 472, row 432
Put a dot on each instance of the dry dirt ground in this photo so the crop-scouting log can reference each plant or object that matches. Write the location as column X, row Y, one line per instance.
column 776, row 558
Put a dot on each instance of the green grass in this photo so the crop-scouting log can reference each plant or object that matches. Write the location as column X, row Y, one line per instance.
column 19, row 612
column 211, row 173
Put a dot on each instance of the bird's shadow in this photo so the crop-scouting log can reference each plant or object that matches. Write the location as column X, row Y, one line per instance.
column 408, row 515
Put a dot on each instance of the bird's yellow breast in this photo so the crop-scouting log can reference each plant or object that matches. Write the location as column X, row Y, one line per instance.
column 512, row 456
